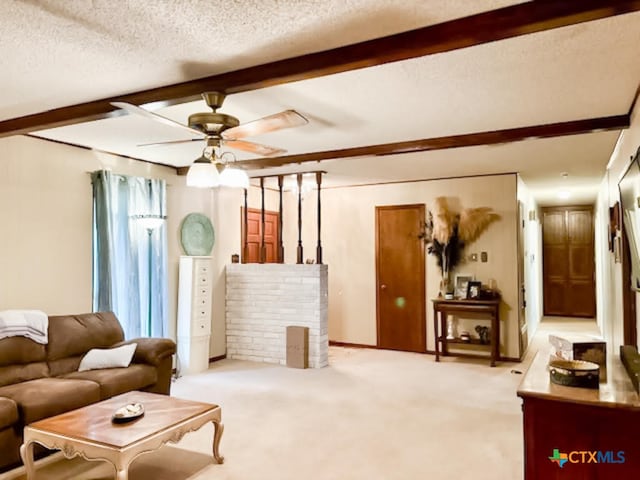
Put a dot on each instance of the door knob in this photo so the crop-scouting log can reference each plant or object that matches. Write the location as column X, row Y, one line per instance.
column 383, row 287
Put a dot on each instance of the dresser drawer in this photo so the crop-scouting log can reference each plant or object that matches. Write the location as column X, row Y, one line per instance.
column 201, row 303
column 202, row 291
column 201, row 326
column 195, row 300
column 203, row 268
column 200, row 312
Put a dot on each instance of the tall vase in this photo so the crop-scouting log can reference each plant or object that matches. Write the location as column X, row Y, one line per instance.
column 445, row 282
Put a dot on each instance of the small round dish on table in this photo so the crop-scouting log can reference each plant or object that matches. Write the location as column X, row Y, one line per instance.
column 128, row 413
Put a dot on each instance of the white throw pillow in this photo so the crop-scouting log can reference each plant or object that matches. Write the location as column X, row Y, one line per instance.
column 108, row 357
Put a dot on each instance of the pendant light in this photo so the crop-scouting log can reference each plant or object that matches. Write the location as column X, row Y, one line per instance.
column 203, row 174
column 234, row 177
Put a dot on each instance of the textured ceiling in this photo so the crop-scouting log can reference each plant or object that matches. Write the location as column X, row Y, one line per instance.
column 584, row 71
column 65, row 52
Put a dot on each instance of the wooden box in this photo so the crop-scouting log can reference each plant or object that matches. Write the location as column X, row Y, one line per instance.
column 298, row 347
column 580, row 347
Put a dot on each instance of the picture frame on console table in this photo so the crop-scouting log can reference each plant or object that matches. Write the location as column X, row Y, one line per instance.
column 473, row 290
column 461, row 284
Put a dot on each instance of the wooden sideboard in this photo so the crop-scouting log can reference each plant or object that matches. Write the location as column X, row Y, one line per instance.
column 576, row 420
column 487, row 309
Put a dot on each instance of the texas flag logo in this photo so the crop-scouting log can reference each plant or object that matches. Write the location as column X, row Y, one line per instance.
column 559, row 458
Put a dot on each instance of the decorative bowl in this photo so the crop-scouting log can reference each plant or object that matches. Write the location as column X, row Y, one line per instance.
column 574, row 373
column 128, row 413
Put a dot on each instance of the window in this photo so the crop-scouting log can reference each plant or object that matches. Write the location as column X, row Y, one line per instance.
column 130, row 252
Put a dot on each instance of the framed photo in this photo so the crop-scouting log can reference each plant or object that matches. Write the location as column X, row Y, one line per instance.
column 460, row 287
column 473, row 290
column 614, row 225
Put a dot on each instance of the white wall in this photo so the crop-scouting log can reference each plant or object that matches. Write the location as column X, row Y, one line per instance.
column 46, row 217
column 348, row 237
column 609, row 273
column 532, row 239
column 225, row 217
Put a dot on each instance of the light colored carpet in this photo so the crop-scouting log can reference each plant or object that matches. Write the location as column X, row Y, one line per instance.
column 370, row 415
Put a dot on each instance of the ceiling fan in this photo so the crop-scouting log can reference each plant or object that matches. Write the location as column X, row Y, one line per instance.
column 219, row 129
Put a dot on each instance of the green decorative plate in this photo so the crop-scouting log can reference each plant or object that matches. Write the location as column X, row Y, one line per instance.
column 196, row 235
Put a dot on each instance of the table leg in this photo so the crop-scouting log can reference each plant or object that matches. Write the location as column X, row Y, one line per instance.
column 435, row 329
column 26, row 453
column 444, row 317
column 217, row 434
column 495, row 340
column 122, row 468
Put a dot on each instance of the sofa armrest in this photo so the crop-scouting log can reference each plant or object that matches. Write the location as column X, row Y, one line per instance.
column 151, row 350
column 8, row 413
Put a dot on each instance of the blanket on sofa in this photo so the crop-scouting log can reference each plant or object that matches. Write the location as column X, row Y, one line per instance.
column 33, row 324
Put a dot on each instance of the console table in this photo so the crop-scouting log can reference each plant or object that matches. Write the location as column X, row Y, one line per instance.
column 489, row 309
column 579, row 424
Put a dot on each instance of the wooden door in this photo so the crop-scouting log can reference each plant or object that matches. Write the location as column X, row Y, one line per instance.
column 400, row 278
column 568, row 263
column 254, row 236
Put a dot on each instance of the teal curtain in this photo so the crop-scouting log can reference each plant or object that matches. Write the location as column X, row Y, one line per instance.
column 129, row 256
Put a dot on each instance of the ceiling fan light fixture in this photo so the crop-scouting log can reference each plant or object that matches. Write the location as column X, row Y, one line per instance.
column 203, row 174
column 234, row 177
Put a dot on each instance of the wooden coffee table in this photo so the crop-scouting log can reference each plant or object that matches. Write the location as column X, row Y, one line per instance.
column 89, row 433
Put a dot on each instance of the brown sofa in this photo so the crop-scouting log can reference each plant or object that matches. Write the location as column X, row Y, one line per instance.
column 39, row 381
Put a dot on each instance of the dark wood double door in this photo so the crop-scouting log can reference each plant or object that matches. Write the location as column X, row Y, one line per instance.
column 254, row 237
column 568, row 264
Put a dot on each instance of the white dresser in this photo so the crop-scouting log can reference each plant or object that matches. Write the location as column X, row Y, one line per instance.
column 194, row 314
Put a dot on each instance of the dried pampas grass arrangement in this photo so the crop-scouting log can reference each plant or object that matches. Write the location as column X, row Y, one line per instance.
column 474, row 221
column 447, row 233
column 443, row 220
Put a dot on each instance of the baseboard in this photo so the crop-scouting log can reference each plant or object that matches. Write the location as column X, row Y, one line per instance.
column 333, row 343
column 211, row 360
column 510, row 359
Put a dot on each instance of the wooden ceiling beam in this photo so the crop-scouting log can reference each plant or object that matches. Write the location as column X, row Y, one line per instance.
column 508, row 22
column 495, row 137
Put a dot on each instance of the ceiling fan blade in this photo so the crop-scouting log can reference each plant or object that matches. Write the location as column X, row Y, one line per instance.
column 154, row 116
column 277, row 121
column 170, row 142
column 256, row 148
